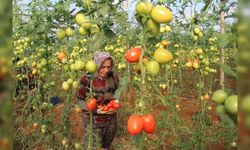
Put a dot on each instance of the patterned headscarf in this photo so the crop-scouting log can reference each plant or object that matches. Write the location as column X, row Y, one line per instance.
column 99, row 58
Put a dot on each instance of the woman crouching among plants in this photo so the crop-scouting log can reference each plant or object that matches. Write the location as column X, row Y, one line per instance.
column 102, row 103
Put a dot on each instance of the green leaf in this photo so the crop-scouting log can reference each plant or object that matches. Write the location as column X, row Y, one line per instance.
column 227, row 69
column 223, row 39
column 95, row 41
column 227, row 120
column 104, row 10
column 66, row 5
column 122, row 85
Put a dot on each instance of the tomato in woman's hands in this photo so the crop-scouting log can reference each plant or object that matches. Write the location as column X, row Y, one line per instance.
column 109, row 105
column 111, row 109
column 105, row 108
column 112, row 101
column 99, row 106
column 116, row 105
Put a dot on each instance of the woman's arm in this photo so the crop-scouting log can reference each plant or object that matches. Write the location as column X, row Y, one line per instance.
column 83, row 88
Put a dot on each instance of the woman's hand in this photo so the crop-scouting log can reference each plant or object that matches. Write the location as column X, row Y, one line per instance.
column 107, row 95
column 103, row 111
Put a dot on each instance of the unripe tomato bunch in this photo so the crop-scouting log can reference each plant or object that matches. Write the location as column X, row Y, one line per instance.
column 165, row 28
column 197, row 33
column 112, row 106
column 152, row 16
column 86, row 26
column 70, row 82
column 20, row 45
column 225, row 103
column 199, row 58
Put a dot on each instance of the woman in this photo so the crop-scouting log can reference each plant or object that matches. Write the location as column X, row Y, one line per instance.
column 105, row 82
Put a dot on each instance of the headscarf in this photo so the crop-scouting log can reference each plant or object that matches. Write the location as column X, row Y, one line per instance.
column 100, row 57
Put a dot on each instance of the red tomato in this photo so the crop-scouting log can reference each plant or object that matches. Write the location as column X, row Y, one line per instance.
column 91, row 104
column 112, row 101
column 99, row 106
column 111, row 109
column 110, row 105
column 105, row 108
column 116, row 105
column 135, row 125
column 133, row 54
column 148, row 123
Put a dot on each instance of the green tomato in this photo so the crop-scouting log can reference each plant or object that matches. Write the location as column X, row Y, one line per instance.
column 153, row 67
column 219, row 96
column 200, row 34
column 73, row 67
column 153, row 27
column 91, row 66
column 70, row 81
column 82, row 31
column 221, row 109
column 77, row 146
column 197, row 30
column 66, row 67
column 162, row 29
column 75, row 84
column 162, row 55
column 231, row 104
column 161, row 14
column 86, row 24
column 69, row 32
column 143, row 8
column 65, row 86
column 52, row 83
column 79, row 65
column 43, row 129
column 94, row 29
column 43, row 62
column 80, row 18
column 60, row 34
column 245, row 104
column 88, row 2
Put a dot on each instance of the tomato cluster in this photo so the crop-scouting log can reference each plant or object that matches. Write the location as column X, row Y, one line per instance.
column 152, row 16
column 138, row 123
column 225, row 103
column 112, row 106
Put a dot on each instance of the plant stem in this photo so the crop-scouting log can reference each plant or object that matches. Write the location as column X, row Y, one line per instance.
column 90, row 139
column 141, row 141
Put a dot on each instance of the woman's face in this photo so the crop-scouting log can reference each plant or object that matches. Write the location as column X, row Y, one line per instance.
column 105, row 68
